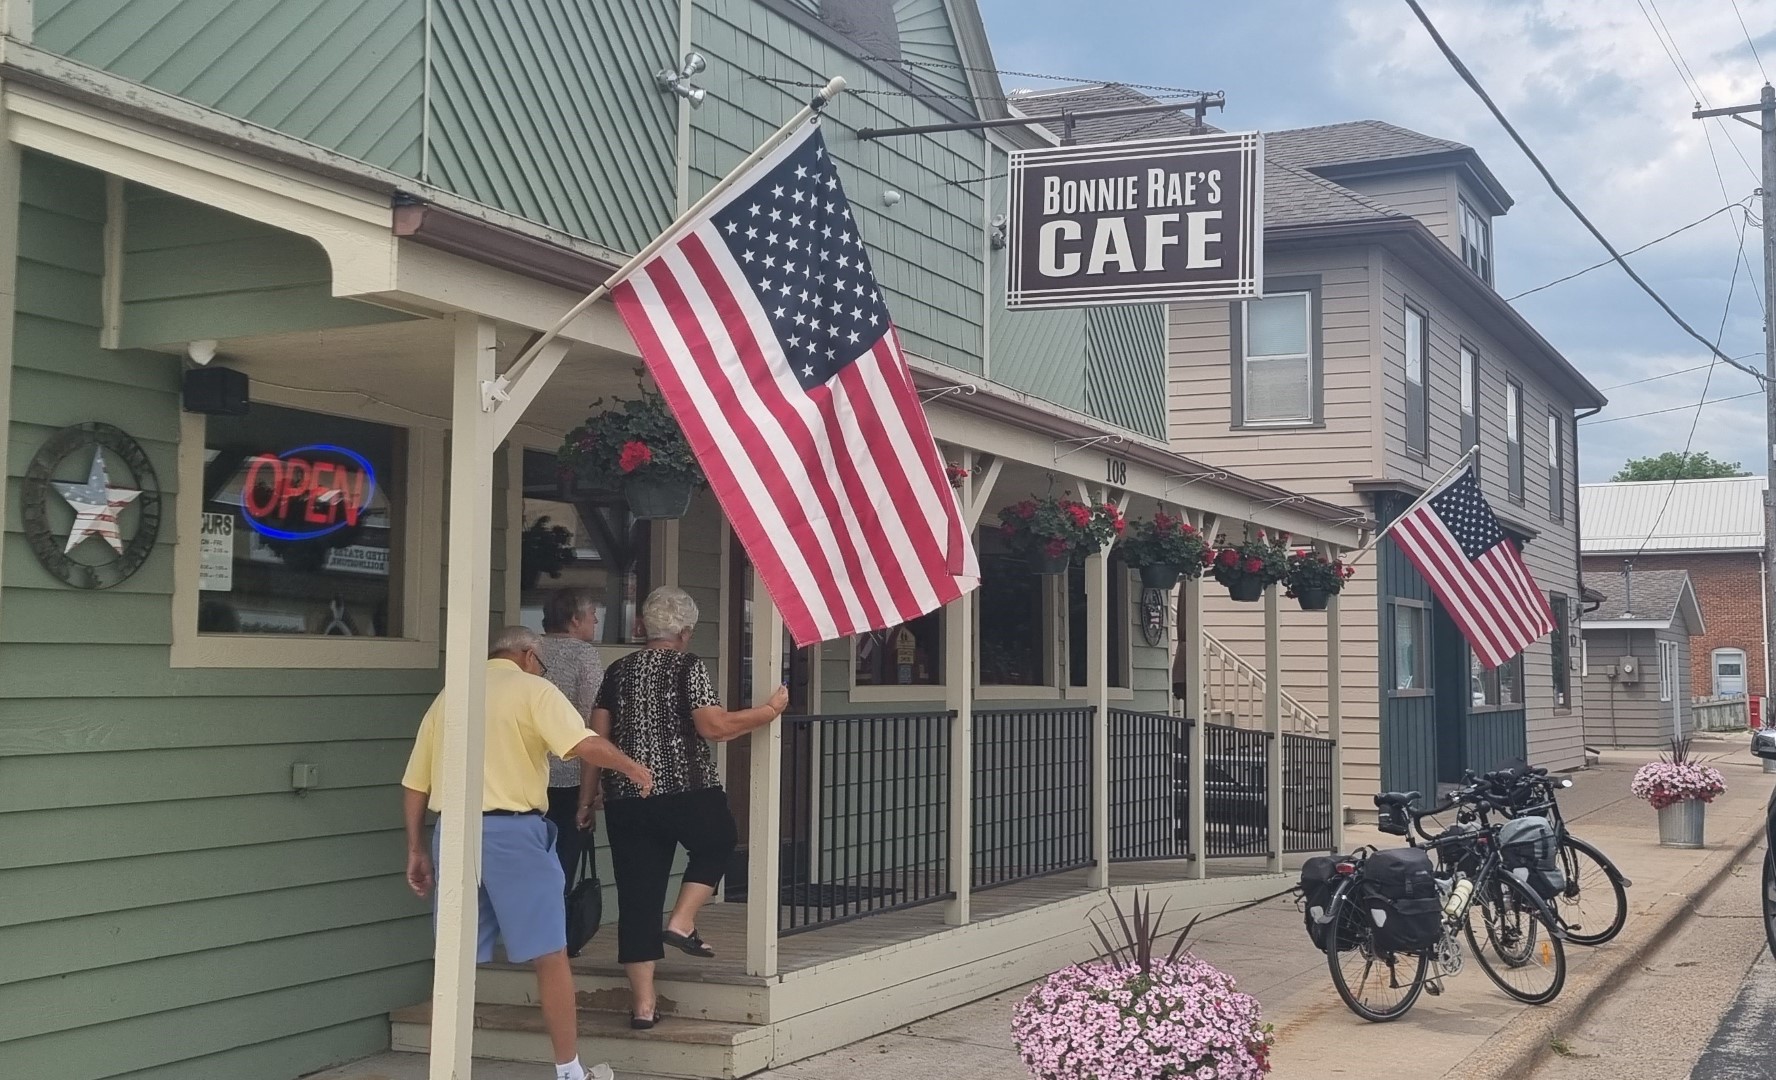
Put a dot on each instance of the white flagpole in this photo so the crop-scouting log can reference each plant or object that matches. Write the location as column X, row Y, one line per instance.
column 1430, row 493
column 821, row 99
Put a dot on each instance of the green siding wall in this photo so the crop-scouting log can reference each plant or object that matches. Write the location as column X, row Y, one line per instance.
column 168, row 908
column 344, row 74
column 192, row 272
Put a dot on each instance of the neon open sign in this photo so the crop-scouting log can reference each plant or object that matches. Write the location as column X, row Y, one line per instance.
column 308, row 492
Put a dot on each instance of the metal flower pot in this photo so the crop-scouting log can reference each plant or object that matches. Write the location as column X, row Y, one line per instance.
column 1048, row 565
column 1680, row 824
column 1159, row 576
column 1247, row 589
column 658, row 499
column 1313, row 599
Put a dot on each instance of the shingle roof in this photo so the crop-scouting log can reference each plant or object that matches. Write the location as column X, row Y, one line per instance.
column 1109, row 128
column 1294, row 196
column 1691, row 515
column 1655, row 597
column 1353, row 142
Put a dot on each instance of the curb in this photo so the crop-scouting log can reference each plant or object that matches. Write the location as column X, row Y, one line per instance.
column 1534, row 1034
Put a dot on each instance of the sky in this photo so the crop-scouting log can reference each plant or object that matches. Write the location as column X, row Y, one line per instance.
column 1592, row 89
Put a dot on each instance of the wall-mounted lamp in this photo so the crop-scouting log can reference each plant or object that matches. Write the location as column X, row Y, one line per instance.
column 997, row 237
column 891, row 197
column 679, row 82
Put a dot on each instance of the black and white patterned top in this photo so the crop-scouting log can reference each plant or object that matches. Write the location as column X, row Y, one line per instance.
column 650, row 695
column 573, row 666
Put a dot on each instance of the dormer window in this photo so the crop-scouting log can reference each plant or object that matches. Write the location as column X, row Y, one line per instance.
column 1476, row 231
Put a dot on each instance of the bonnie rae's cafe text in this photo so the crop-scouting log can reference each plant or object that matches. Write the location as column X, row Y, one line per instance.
column 1134, row 221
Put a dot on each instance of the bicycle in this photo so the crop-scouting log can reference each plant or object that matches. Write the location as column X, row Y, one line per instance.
column 1596, row 893
column 1522, row 952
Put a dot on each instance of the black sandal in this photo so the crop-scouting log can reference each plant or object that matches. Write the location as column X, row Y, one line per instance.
column 643, row 1023
column 689, row 944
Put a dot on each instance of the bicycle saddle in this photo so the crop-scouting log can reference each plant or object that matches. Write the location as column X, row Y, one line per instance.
column 1400, row 799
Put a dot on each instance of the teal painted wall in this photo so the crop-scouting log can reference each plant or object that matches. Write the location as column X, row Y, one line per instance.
column 168, row 908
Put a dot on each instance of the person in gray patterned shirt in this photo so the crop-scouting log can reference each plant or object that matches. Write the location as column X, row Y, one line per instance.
column 570, row 626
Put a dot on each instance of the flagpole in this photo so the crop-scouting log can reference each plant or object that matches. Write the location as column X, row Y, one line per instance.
column 831, row 90
column 1430, row 493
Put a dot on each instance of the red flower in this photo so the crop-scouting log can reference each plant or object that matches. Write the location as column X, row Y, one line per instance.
column 1055, row 548
column 1187, row 529
column 1025, row 509
column 1080, row 515
column 1208, row 557
column 1008, row 530
column 1163, row 521
column 635, row 455
column 1228, row 557
column 1253, row 566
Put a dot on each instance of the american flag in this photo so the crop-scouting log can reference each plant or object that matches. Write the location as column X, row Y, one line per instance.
column 1475, row 570
column 767, row 334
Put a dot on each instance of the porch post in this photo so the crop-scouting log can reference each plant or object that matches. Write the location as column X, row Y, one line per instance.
column 1273, row 723
column 1196, row 713
column 465, row 700
column 764, row 841
column 959, row 677
column 1097, row 684
column 1335, row 717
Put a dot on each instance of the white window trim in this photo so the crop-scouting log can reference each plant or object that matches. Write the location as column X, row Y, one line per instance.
column 1667, row 664
column 422, row 562
column 1053, row 617
column 918, row 692
column 1246, row 359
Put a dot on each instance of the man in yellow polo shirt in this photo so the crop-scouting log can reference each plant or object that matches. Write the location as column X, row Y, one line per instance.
column 522, row 884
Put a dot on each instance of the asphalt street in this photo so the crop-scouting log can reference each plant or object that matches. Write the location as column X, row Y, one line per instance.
column 1702, row 1006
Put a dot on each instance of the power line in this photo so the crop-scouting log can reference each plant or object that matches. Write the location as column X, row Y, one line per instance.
column 1616, row 256
column 1688, row 74
column 1748, row 41
column 1596, row 266
column 1668, row 374
column 1674, row 408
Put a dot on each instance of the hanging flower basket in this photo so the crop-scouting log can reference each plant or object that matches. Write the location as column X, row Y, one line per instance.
column 1050, row 533
column 1251, row 566
column 547, row 550
column 1165, row 549
column 635, row 447
column 1313, row 579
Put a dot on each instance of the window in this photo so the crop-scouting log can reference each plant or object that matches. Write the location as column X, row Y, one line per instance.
column 1556, row 467
column 1418, row 352
column 1562, row 667
column 1668, row 673
column 910, row 654
column 1411, row 659
column 1014, row 613
column 1470, row 400
column 1119, row 615
column 1274, row 347
column 601, row 547
column 1514, row 438
column 1500, row 688
column 301, row 533
column 1729, row 672
column 1476, row 241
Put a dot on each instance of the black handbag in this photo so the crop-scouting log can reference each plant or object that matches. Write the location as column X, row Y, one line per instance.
column 585, row 901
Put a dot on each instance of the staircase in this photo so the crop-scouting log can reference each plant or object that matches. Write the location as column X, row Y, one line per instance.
column 1236, row 693
column 713, row 1027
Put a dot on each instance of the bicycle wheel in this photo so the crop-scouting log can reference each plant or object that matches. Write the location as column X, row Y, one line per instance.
column 1594, row 906
column 1377, row 986
column 1514, row 943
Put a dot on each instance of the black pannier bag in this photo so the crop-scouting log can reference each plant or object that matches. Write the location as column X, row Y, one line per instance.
column 1531, row 853
column 1319, row 880
column 1401, row 898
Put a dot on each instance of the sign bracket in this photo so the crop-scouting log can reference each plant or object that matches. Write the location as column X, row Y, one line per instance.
column 1086, row 444
column 1198, row 105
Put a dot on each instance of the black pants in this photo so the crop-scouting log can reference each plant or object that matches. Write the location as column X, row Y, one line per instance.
column 564, row 807
column 644, row 836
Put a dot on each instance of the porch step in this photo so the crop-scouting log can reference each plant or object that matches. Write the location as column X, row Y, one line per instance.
column 693, row 1049
column 601, row 988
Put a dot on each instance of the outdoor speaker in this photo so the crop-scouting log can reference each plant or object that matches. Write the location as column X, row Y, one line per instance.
column 216, row 391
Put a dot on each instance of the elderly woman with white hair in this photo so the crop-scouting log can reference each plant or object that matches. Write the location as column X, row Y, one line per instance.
column 659, row 706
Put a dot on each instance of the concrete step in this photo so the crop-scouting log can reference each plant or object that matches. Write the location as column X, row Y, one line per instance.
column 679, row 1048
column 600, row 989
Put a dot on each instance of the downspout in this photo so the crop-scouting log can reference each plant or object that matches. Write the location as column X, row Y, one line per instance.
column 1579, row 563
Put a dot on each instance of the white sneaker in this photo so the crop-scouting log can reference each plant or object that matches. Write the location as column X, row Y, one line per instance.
column 600, row 1071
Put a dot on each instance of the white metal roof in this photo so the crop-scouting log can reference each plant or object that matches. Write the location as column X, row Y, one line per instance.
column 1701, row 515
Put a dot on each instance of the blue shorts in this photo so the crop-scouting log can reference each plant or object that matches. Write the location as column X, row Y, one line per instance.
column 522, row 889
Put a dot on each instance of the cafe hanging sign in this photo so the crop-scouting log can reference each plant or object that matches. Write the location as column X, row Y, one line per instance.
column 1137, row 222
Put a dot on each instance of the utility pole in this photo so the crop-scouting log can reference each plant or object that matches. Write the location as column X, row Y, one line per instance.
column 1766, row 106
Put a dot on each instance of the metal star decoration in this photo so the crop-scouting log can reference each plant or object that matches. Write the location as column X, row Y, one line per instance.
column 97, row 505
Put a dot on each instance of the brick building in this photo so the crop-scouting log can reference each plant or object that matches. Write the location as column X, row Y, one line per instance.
column 1715, row 530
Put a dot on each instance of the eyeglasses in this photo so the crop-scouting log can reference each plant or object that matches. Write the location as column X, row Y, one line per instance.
column 542, row 668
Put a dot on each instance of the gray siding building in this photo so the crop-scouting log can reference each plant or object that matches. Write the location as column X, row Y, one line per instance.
column 1636, row 659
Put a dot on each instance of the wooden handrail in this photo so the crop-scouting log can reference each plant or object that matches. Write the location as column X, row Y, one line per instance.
column 1248, row 690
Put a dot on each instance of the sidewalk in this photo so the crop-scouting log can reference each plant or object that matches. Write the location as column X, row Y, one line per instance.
column 1462, row 1032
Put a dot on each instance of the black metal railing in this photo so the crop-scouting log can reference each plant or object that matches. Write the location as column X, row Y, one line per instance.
column 1308, row 762
column 1149, row 786
column 866, row 816
column 1236, row 807
column 1032, row 793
